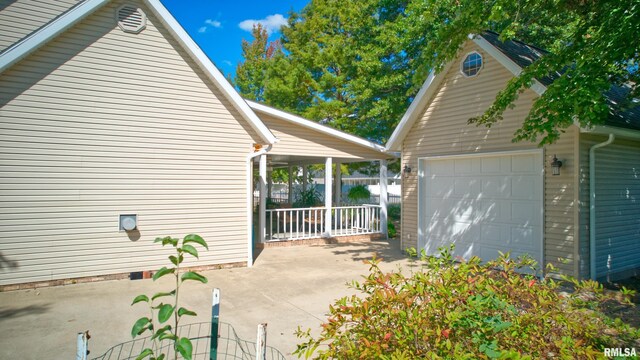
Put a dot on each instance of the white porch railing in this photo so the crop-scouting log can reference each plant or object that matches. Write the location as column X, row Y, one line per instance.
column 306, row 223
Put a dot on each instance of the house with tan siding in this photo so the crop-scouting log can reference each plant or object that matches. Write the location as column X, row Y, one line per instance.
column 473, row 187
column 115, row 129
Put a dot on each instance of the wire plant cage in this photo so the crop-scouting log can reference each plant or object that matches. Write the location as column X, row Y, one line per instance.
column 229, row 346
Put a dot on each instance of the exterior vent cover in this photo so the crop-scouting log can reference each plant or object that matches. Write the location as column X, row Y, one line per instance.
column 131, row 19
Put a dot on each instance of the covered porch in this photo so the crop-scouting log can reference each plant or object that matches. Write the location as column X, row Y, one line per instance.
column 313, row 211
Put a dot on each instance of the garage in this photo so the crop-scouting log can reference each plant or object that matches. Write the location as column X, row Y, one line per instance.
column 482, row 203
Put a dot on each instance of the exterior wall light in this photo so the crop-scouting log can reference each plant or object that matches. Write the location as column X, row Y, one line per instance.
column 555, row 166
column 407, row 169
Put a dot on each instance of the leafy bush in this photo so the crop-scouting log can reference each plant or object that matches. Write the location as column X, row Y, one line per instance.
column 464, row 310
column 393, row 211
column 391, row 230
column 162, row 312
column 358, row 193
column 308, row 198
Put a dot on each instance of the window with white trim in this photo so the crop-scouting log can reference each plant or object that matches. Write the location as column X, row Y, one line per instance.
column 472, row 64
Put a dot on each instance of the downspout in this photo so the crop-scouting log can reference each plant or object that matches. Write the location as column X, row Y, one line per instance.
column 250, row 158
column 592, row 204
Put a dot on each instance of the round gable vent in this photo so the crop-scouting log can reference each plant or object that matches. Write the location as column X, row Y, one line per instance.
column 131, row 19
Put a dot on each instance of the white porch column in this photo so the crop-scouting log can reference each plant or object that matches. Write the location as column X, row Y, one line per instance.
column 269, row 183
column 327, row 196
column 262, row 210
column 290, row 186
column 304, row 178
column 338, row 183
column 383, row 197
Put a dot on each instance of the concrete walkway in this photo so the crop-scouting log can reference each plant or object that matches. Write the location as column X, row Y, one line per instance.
column 287, row 288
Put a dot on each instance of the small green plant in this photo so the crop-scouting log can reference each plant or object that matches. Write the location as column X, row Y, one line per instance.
column 307, row 198
column 457, row 309
column 394, row 212
column 391, row 230
column 161, row 310
column 359, row 193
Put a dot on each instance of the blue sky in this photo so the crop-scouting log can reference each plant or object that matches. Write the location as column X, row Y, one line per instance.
column 218, row 26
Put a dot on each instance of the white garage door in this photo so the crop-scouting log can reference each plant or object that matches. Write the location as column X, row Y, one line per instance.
column 483, row 204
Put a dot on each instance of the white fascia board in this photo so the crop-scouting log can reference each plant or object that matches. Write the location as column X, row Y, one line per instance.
column 47, row 32
column 210, row 69
column 503, row 59
column 617, row 131
column 423, row 97
column 314, row 126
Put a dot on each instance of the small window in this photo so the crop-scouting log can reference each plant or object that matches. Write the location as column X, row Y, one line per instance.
column 472, row 64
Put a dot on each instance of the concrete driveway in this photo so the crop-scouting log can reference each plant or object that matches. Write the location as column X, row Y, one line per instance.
column 286, row 288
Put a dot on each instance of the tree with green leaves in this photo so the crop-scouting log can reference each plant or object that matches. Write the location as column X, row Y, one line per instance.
column 251, row 74
column 593, row 45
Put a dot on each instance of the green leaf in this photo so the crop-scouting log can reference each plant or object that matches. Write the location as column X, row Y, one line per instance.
column 176, row 260
column 168, row 335
column 140, row 326
column 167, row 240
column 191, row 250
column 183, row 311
column 140, row 298
column 196, row 239
column 162, row 272
column 161, row 357
column 165, row 312
column 161, row 331
column 185, row 348
column 191, row 275
column 163, row 294
column 146, row 352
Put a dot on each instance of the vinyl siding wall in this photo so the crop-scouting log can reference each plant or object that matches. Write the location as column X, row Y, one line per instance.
column 442, row 129
column 297, row 140
column 617, row 207
column 100, row 123
column 19, row 18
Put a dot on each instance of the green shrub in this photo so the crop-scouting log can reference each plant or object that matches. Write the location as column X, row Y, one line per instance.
column 308, row 198
column 393, row 211
column 464, row 310
column 391, row 230
column 359, row 193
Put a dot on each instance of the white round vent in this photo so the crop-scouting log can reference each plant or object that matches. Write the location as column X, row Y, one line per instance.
column 131, row 19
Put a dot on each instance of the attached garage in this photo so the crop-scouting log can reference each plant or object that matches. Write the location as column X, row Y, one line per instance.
column 483, row 203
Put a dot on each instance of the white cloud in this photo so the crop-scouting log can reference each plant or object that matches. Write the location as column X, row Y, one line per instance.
column 202, row 29
column 227, row 62
column 271, row 23
column 214, row 23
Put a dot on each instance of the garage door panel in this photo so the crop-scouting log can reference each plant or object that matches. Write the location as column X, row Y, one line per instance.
column 525, row 187
column 491, row 165
column 523, row 164
column 463, row 185
column 490, row 204
column 496, row 187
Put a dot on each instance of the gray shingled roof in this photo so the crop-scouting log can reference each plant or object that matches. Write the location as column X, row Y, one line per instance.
column 525, row 54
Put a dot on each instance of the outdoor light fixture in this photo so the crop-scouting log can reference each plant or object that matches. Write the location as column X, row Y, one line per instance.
column 555, row 165
column 407, row 169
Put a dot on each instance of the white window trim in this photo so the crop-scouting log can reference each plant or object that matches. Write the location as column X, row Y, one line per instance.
column 465, row 59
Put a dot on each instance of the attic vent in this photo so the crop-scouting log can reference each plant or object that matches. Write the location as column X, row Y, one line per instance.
column 131, row 19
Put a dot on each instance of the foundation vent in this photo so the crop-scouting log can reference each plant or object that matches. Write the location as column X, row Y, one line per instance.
column 131, row 19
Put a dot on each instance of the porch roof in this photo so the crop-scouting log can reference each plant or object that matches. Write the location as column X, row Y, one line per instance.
column 302, row 141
